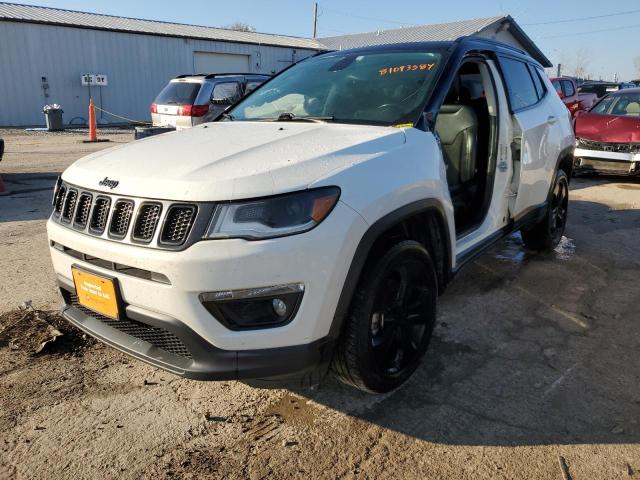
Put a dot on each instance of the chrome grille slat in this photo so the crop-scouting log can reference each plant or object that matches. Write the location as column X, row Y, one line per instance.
column 121, row 218
column 83, row 209
column 69, row 205
column 177, row 224
column 146, row 222
column 59, row 200
column 100, row 215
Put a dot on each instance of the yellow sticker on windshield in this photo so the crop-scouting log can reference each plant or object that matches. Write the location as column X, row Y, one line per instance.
column 403, row 125
column 407, row 68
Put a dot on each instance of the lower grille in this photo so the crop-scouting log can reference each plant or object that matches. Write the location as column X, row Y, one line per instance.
column 609, row 147
column 158, row 337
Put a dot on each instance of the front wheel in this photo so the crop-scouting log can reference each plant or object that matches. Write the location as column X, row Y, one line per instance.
column 391, row 320
column 547, row 233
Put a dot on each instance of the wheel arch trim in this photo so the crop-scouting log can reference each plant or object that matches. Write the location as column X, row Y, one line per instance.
column 373, row 233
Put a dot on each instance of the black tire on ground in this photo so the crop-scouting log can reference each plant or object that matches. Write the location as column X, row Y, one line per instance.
column 391, row 320
column 547, row 233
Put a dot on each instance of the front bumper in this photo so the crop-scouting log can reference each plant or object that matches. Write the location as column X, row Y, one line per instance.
column 319, row 259
column 620, row 163
column 169, row 344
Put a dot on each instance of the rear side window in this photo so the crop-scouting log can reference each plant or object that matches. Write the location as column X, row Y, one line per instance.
column 520, row 86
column 537, row 82
column 252, row 85
column 226, row 93
column 569, row 91
column 178, row 93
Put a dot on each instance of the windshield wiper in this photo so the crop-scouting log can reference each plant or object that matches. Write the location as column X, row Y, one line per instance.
column 292, row 117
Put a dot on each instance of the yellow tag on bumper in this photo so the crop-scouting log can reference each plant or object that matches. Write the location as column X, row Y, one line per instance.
column 96, row 293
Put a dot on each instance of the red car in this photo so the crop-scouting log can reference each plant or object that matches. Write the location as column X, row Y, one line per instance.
column 608, row 135
column 567, row 90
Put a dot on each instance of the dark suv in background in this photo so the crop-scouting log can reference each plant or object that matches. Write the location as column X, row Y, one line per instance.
column 189, row 100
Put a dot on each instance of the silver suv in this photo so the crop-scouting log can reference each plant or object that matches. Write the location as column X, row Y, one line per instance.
column 189, row 100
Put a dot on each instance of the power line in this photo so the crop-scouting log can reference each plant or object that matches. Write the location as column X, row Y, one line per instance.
column 367, row 18
column 553, row 22
column 591, row 31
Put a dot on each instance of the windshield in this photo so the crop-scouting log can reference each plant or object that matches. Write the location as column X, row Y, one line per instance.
column 378, row 88
column 178, row 93
column 625, row 104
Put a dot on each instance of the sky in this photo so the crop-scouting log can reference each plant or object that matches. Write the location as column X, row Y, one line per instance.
column 606, row 45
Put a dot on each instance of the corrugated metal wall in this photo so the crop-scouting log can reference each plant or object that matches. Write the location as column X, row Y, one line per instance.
column 137, row 66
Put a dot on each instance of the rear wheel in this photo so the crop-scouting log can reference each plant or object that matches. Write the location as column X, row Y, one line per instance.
column 547, row 233
column 391, row 320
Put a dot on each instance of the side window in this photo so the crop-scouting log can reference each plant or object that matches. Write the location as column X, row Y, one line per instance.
column 557, row 86
column 225, row 93
column 569, row 91
column 522, row 91
column 537, row 82
column 251, row 86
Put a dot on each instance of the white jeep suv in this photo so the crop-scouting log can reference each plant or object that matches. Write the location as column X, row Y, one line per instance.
column 315, row 224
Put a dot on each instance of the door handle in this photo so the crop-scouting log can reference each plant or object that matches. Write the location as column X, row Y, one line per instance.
column 551, row 119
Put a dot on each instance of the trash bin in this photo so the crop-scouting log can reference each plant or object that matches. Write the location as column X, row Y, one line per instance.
column 53, row 116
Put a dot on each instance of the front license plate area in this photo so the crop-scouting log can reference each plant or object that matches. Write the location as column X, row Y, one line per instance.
column 96, row 292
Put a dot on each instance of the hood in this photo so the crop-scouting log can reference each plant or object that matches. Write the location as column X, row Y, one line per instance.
column 231, row 160
column 608, row 128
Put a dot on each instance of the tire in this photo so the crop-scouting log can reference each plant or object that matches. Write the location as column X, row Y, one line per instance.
column 390, row 322
column 547, row 233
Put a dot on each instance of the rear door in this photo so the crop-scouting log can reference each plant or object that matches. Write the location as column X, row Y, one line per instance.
column 534, row 145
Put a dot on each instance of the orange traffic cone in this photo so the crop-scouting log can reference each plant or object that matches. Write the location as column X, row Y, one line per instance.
column 93, row 134
column 93, row 131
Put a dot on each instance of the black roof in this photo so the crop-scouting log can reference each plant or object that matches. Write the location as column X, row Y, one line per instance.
column 462, row 42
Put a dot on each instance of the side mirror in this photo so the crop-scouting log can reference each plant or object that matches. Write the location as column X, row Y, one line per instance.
column 561, row 94
column 579, row 113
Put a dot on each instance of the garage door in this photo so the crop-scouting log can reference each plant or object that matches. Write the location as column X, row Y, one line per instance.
column 206, row 62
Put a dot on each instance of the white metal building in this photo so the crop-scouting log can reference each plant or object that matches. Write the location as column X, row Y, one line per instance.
column 502, row 28
column 45, row 51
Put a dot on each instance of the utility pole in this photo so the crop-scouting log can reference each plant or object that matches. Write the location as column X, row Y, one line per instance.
column 315, row 19
column 559, row 70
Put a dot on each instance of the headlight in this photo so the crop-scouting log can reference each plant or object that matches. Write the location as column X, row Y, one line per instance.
column 273, row 216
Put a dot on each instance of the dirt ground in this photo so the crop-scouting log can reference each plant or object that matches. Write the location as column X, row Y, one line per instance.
column 534, row 371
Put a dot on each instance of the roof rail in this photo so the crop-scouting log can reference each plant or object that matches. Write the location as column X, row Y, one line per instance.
column 498, row 43
column 213, row 75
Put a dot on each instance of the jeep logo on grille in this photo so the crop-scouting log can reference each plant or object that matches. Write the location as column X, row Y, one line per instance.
column 108, row 183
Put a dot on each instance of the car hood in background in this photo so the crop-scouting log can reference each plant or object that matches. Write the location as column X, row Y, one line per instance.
column 608, row 128
column 232, row 160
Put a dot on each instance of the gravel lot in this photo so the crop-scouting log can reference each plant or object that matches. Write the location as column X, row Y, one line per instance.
column 533, row 372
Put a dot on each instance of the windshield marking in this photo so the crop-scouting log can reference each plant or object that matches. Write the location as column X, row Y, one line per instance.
column 406, row 68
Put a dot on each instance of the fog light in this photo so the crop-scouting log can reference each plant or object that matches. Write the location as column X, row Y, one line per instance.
column 279, row 307
column 264, row 307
